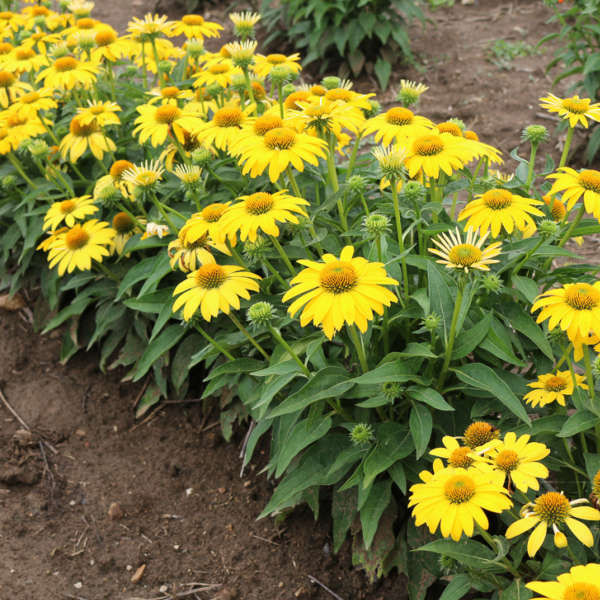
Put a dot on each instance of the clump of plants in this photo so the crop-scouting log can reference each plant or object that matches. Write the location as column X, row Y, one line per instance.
column 361, row 35
column 405, row 326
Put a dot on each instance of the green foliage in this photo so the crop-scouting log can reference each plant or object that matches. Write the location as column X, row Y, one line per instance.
column 502, row 52
column 364, row 35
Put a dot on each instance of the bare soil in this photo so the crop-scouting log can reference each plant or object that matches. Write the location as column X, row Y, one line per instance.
column 183, row 510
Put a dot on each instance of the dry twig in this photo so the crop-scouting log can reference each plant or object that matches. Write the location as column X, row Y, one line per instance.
column 315, row 580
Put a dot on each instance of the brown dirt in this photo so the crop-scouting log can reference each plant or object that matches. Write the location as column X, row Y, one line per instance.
column 187, row 514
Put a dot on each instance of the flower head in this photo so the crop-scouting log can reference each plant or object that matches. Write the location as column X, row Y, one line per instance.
column 553, row 387
column 576, row 110
column 244, row 23
column 580, row 583
column 480, row 433
column 574, row 186
column 69, row 211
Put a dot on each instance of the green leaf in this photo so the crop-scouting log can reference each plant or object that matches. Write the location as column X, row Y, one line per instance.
column 343, row 511
column 383, row 70
column 141, row 271
column 582, row 420
column 284, row 368
column 469, row 340
column 458, row 587
column 150, row 303
column 421, row 426
column 391, row 371
column 515, row 591
column 371, row 512
column 151, row 396
column 180, row 367
column 393, row 444
column 468, row 553
column 524, row 324
column 481, row 377
column 163, row 343
column 326, row 383
column 302, row 435
column 429, row 396
column 442, row 301
column 240, row 365
column 529, row 288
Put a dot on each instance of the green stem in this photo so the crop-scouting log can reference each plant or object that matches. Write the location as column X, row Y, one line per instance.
column 565, row 152
column 293, row 182
column 280, row 99
column 360, row 351
column 333, row 179
column 504, row 562
column 275, row 273
column 48, row 130
column 526, row 258
column 451, row 337
column 570, row 455
column 163, row 212
column 572, row 226
column 17, row 165
column 453, row 209
column 249, row 86
column 288, row 349
column 248, row 335
column 156, row 60
column 283, row 255
column 353, row 157
column 144, row 67
column 213, row 342
column 588, row 371
column 400, row 236
column 240, row 261
column 529, row 181
column 313, row 232
column 107, row 271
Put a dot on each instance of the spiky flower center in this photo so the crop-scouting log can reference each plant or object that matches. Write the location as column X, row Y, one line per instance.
column 507, row 460
column 464, row 255
column 459, row 458
column 318, row 90
column 281, row 138
column 105, row 37
column 428, row 145
column 5, row 47
column 582, row 591
column 67, row 206
column 24, row 53
column 213, row 212
column 294, row 97
column 577, row 106
column 85, row 23
column 76, row 238
column 210, row 276
column 338, row 277
column 259, row 203
column 65, row 63
column 266, row 123
column 40, row 11
column 459, row 489
column 167, row 113
column 119, row 167
column 399, row 116
column 170, row 91
column 339, row 94
column 497, row 199
column 218, row 68
column 97, row 109
column 29, row 98
column 228, row 117
column 122, row 222
column 6, row 79
column 596, row 484
column 480, row 433
column 451, row 128
column 80, row 130
column 558, row 210
column 556, row 383
column 192, row 20
column 590, row 180
column 552, row 507
column 276, row 59
column 582, row 296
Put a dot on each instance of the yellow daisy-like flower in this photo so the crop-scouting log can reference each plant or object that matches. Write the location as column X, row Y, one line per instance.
column 319, row 116
column 244, row 20
column 214, row 288
column 151, row 26
column 69, row 211
column 575, row 307
column 553, row 387
column 497, row 209
column 31, row 103
column 67, row 72
column 518, row 459
column 156, row 122
column 101, row 113
column 115, row 177
column 189, row 256
column 582, row 582
column 223, row 129
column 338, row 291
column 574, row 185
column 455, row 500
column 253, row 129
column 456, row 254
column 261, row 212
column 11, row 87
column 554, row 510
column 217, row 71
column 109, row 46
column 397, row 123
column 480, row 433
column 279, row 148
column 347, row 96
column 263, row 65
column 125, row 228
column 207, row 222
column 574, row 109
column 81, row 137
column 462, row 457
column 432, row 154
column 20, row 127
column 170, row 94
column 24, row 59
column 75, row 248
column 144, row 175
column 194, row 26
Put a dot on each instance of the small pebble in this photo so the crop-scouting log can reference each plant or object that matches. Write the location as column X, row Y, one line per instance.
column 129, row 567
column 189, row 491
column 115, row 511
column 163, row 589
column 78, row 585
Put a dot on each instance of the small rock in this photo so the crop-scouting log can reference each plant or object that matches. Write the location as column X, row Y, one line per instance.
column 176, row 547
column 189, row 491
column 115, row 512
column 81, row 433
column 8, row 302
column 247, row 483
column 23, row 437
column 78, row 585
column 302, row 593
column 138, row 574
column 226, row 594
column 129, row 568
column 221, row 490
column 163, row 589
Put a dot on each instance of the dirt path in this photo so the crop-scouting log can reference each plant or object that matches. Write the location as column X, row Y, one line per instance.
column 186, row 513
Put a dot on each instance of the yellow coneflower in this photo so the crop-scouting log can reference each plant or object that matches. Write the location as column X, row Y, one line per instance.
column 576, row 110
column 580, row 582
column 144, row 175
column 575, row 185
column 69, row 211
column 553, row 387
column 101, row 113
column 81, row 137
column 194, row 26
column 151, row 26
column 11, row 88
column 207, row 222
column 397, row 123
column 67, row 72
column 31, row 103
column 263, row 65
column 157, row 122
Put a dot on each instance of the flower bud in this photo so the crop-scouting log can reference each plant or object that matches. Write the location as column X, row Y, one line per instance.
column 260, row 313
column 287, row 89
column 376, row 225
column 331, row 82
column 164, row 66
column 214, row 90
column 492, row 283
column 432, row 322
column 202, row 157
column 392, row 390
column 109, row 195
column 280, row 74
column 548, row 228
column 596, row 374
column 255, row 251
column 534, row 134
column 362, row 434
column 38, row 148
column 413, row 192
column 357, row 184
column 194, row 47
column 374, row 110
column 8, row 182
